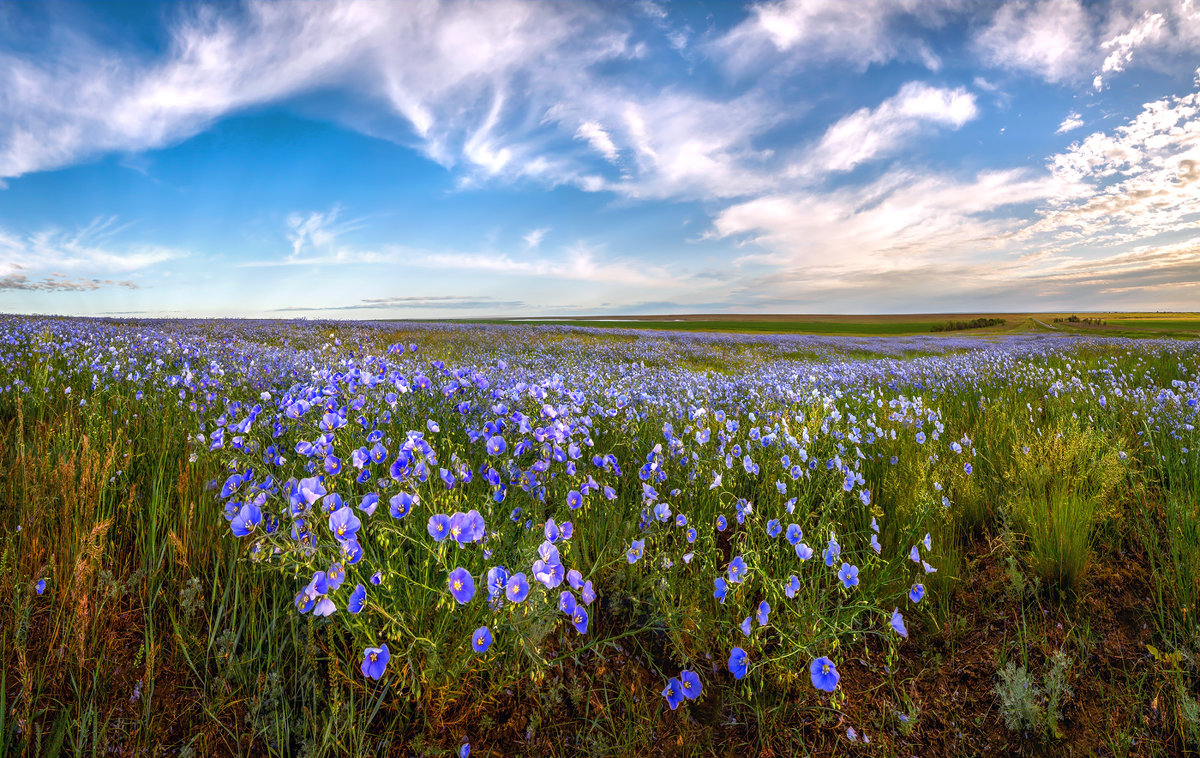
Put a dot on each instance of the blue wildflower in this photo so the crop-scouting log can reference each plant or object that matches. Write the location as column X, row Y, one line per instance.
column 357, row 599
column 481, row 640
column 824, row 674
column 516, row 588
column 249, row 517
column 737, row 570
column 462, row 585
column 691, row 684
column 849, row 575
column 375, row 660
column 344, row 524
column 635, row 551
column 438, row 526
column 673, row 692
column 737, row 662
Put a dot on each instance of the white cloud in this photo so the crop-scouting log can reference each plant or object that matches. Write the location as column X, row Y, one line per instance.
column 579, row 262
column 595, row 135
column 889, row 223
column 535, row 236
column 89, row 251
column 1147, row 29
column 1052, row 39
column 861, row 32
column 1070, row 123
column 318, row 230
column 444, row 67
column 1140, row 180
column 871, row 133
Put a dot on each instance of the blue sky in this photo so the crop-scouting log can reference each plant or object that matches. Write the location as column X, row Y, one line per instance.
column 363, row 159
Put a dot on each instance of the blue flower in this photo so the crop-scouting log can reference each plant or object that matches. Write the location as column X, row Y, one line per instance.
column 335, row 576
column 369, row 503
column 721, row 589
column 773, row 528
column 898, row 623
column 737, row 570
column 482, row 639
column 579, row 619
column 721, row 523
column 635, row 551
column 691, row 684
column 803, row 551
column 438, row 526
column 400, row 505
column 849, row 575
column 462, row 585
column 375, row 660
column 764, row 613
column 673, row 693
column 792, row 586
column 41, row 586
column 746, row 627
column 246, row 520
column 832, row 552
column 824, row 674
column 875, row 544
column 497, row 578
column 916, row 593
column 357, row 599
column 376, row 578
column 516, row 588
column 496, row 445
column 343, row 523
column 794, row 534
column 737, row 663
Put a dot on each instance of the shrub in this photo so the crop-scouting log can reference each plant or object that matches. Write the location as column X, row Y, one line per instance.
column 1059, row 487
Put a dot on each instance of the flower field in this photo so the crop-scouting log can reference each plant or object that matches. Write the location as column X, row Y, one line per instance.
column 324, row 538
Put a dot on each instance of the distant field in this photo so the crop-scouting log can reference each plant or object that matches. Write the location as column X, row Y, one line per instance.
column 776, row 326
column 1175, row 324
column 1116, row 324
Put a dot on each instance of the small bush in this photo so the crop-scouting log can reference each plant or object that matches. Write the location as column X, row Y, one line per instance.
column 1018, row 699
column 1027, row 708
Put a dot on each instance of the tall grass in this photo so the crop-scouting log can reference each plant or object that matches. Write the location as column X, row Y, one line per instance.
column 1060, row 485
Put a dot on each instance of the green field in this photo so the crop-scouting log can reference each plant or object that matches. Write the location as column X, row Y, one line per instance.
column 1117, row 324
column 995, row 546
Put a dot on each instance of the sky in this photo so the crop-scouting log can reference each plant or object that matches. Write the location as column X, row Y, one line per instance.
column 422, row 159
